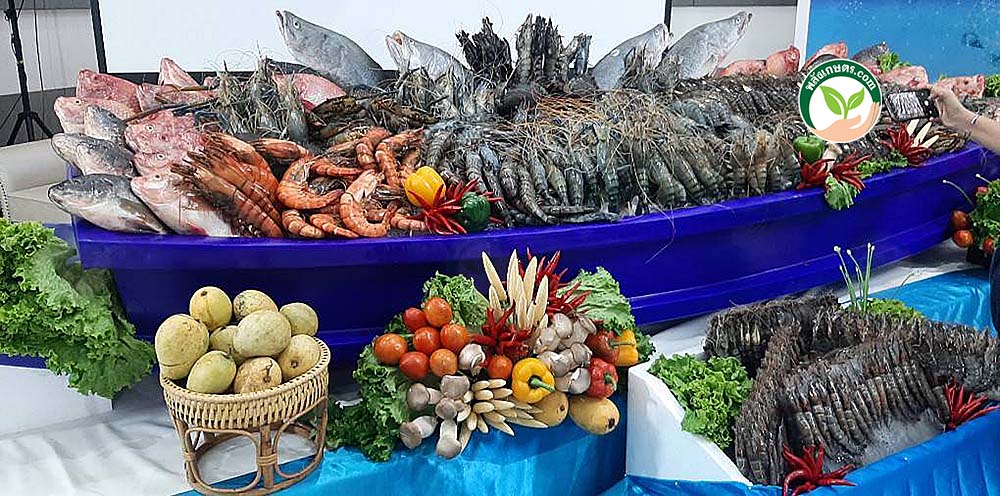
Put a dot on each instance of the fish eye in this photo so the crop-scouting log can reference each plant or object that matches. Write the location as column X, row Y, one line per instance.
column 295, row 24
column 149, row 127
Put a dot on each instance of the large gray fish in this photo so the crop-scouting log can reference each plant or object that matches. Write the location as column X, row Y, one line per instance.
column 329, row 53
column 93, row 155
column 410, row 54
column 102, row 124
column 107, row 201
column 175, row 203
column 869, row 57
column 701, row 50
column 610, row 68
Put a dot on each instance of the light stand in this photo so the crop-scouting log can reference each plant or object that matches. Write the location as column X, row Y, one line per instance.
column 28, row 118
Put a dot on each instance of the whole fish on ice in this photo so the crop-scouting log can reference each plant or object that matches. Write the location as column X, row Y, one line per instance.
column 102, row 124
column 175, row 202
column 410, row 54
column 701, row 50
column 92, row 155
column 70, row 111
column 329, row 53
column 611, row 67
column 107, row 201
column 90, row 84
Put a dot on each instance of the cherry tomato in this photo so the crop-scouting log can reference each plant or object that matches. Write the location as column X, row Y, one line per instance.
column 413, row 319
column 414, row 365
column 982, row 190
column 963, row 238
column 499, row 367
column 959, row 220
column 438, row 311
column 454, row 337
column 988, row 246
column 444, row 362
column 426, row 340
column 389, row 348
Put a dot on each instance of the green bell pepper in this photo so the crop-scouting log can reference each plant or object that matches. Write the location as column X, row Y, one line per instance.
column 475, row 213
column 810, row 147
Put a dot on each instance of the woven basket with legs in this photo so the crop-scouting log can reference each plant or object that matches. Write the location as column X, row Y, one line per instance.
column 204, row 421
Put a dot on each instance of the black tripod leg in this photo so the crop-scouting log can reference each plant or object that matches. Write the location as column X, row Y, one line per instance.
column 38, row 120
column 17, row 127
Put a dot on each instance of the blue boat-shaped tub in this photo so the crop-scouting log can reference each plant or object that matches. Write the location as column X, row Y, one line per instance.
column 671, row 265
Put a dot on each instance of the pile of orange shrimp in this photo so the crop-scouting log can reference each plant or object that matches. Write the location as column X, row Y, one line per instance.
column 353, row 189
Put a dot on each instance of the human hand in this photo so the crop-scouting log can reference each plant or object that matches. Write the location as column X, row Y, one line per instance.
column 951, row 111
column 846, row 130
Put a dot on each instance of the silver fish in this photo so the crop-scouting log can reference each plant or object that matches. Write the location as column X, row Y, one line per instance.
column 330, row 53
column 175, row 203
column 610, row 68
column 103, row 124
column 869, row 56
column 107, row 201
column 410, row 54
column 701, row 50
column 93, row 155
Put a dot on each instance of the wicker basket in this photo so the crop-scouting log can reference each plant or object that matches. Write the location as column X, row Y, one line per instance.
column 261, row 416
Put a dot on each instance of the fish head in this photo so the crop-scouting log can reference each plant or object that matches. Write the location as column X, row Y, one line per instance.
column 83, row 193
column 69, row 109
column 298, row 32
column 405, row 51
column 69, row 145
column 741, row 21
column 159, row 188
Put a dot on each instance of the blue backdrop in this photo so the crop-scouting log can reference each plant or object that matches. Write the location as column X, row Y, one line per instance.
column 951, row 37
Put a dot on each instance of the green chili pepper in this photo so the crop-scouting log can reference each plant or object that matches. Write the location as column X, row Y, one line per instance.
column 811, row 147
column 475, row 213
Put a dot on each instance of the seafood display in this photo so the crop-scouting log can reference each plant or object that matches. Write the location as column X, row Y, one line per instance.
column 522, row 132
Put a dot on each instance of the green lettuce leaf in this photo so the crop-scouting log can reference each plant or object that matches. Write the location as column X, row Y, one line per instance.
column 467, row 303
column 605, row 302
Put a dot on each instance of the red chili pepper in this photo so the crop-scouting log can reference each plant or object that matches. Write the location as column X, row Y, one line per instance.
column 603, row 379
column 814, row 173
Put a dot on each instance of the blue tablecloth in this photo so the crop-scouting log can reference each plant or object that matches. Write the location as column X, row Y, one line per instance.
column 964, row 462
column 958, row 297
column 561, row 461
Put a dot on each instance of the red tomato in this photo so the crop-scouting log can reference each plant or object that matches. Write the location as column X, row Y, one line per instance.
column 389, row 348
column 454, row 337
column 963, row 239
column 982, row 190
column 988, row 246
column 426, row 340
column 438, row 312
column 413, row 319
column 414, row 365
column 444, row 362
column 959, row 220
column 499, row 367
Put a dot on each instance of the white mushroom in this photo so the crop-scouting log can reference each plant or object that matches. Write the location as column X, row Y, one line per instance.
column 557, row 363
column 578, row 335
column 563, row 325
column 579, row 354
column 419, row 397
column 454, row 386
column 414, row 432
column 448, row 408
column 471, row 358
column 547, row 340
column 448, row 445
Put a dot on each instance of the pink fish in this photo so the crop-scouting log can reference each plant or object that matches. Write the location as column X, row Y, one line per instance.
column 176, row 204
column 152, row 96
column 90, row 84
column 314, row 90
column 783, row 62
column 965, row 86
column 71, row 110
column 163, row 132
column 912, row 76
column 833, row 50
column 747, row 67
column 171, row 73
column 156, row 163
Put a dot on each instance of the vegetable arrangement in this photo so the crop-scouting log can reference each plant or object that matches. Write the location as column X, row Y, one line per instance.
column 859, row 300
column 242, row 345
column 980, row 227
column 531, row 352
column 711, row 392
column 53, row 309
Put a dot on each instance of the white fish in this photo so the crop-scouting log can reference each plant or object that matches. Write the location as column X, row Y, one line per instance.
column 179, row 207
column 410, row 54
column 700, row 51
column 610, row 68
column 328, row 52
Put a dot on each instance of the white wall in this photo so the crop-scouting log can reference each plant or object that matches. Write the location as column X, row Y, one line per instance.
column 771, row 28
column 66, row 42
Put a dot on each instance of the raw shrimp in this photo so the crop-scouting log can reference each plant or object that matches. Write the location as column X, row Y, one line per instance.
column 293, row 191
column 229, row 198
column 353, row 211
column 296, row 225
column 365, row 148
column 331, row 225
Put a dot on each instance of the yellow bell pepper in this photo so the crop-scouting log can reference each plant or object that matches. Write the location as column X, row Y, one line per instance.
column 531, row 380
column 628, row 354
column 424, row 184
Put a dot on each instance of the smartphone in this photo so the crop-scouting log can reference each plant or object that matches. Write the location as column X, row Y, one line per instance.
column 910, row 104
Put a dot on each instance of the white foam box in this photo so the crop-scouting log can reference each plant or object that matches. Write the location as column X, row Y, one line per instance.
column 42, row 399
column 657, row 447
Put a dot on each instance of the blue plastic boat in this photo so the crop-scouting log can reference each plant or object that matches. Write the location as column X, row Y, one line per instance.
column 672, row 265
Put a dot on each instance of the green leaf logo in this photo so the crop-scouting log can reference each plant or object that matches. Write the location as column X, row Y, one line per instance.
column 855, row 100
column 834, row 101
